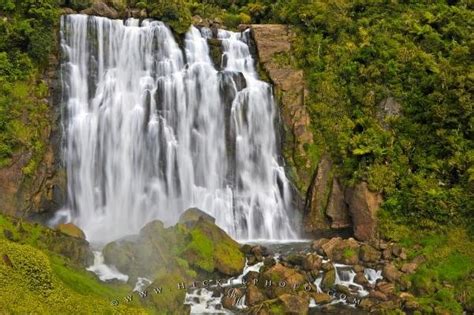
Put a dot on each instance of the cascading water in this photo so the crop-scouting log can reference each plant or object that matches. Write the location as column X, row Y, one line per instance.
column 151, row 130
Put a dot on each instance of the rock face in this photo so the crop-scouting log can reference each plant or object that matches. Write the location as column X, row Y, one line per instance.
column 363, row 206
column 273, row 40
column 337, row 209
column 315, row 217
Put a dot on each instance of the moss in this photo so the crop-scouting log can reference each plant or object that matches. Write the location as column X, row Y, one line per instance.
column 200, row 251
column 348, row 253
column 35, row 282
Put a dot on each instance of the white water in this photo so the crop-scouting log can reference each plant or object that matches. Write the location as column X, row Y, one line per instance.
column 151, row 130
column 105, row 272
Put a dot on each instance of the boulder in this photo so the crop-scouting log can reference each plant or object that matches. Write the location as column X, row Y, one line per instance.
column 312, row 262
column 363, row 207
column 101, row 9
column 254, row 295
column 197, row 242
column 391, row 273
column 71, row 230
column 192, row 215
column 294, row 304
column 369, row 254
column 321, row 298
column 328, row 280
column 337, row 209
column 345, row 251
column 281, row 274
column 387, row 109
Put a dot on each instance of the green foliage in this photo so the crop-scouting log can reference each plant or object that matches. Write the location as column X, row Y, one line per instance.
column 355, row 55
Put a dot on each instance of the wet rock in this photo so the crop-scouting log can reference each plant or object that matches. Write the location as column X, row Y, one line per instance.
column 246, row 249
column 391, row 273
column 192, row 215
column 340, row 250
column 294, row 304
column 312, row 262
column 317, row 245
column 327, row 266
column 251, row 260
column 254, row 296
column 375, row 294
column 363, row 207
column 343, row 289
column 369, row 254
column 295, row 259
column 231, row 297
column 361, row 279
column 321, row 298
column 251, row 277
column 71, row 230
column 358, row 268
column 203, row 245
column 328, row 280
column 337, row 209
column 280, row 274
column 269, row 262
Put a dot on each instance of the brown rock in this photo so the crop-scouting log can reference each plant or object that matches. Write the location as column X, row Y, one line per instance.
column 279, row 274
column 369, row 254
column 367, row 303
column 378, row 295
column 342, row 250
column 363, row 206
column 361, row 279
column 391, row 273
column 315, row 218
column 71, row 230
column 328, row 280
column 387, row 253
column 321, row 298
column 253, row 296
column 409, row 268
column 386, row 288
column 337, row 209
column 294, row 304
column 317, row 245
column 312, row 262
column 231, row 297
column 101, row 9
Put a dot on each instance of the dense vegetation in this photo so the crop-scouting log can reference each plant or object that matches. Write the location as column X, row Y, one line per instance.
column 356, row 55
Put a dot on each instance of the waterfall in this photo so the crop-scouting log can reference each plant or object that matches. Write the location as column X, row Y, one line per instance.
column 151, row 129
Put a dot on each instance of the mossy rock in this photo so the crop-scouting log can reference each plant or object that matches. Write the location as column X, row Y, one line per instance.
column 210, row 248
column 71, row 230
column 329, row 279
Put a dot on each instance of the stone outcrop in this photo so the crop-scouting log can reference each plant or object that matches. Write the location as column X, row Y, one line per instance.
column 272, row 41
column 337, row 209
column 197, row 240
column 315, row 209
column 363, row 206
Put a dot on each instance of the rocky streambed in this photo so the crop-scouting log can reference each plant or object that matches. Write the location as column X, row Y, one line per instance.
column 326, row 276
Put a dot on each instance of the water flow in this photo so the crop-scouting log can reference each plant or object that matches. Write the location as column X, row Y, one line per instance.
column 151, row 129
